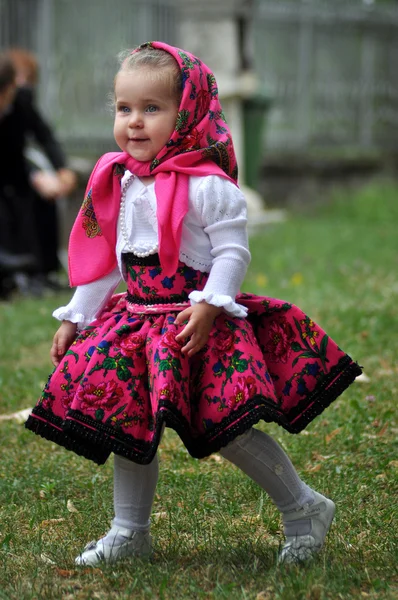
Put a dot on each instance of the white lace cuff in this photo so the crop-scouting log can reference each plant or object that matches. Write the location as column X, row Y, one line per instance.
column 226, row 302
column 64, row 314
column 89, row 300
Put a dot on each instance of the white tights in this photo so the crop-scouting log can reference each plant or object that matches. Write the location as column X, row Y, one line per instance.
column 264, row 461
column 254, row 452
column 133, row 493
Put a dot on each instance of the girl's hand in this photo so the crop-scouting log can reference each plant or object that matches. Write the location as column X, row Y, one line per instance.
column 200, row 321
column 63, row 338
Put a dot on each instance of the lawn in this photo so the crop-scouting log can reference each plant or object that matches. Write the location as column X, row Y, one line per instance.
column 216, row 534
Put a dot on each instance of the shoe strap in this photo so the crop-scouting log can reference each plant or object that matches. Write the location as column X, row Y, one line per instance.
column 305, row 512
column 127, row 533
column 90, row 545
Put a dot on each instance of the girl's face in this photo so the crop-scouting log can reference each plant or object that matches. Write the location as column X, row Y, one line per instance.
column 146, row 112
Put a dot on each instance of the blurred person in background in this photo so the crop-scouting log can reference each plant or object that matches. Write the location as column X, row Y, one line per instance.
column 29, row 225
column 15, row 254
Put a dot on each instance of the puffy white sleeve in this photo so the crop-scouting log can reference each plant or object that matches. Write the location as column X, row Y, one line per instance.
column 223, row 211
column 88, row 300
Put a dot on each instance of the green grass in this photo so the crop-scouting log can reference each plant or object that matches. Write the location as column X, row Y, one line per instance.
column 216, row 533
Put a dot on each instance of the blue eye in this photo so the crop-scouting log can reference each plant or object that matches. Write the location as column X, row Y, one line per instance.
column 123, row 109
column 151, row 108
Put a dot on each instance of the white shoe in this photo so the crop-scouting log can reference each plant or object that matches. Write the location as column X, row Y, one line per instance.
column 137, row 543
column 299, row 548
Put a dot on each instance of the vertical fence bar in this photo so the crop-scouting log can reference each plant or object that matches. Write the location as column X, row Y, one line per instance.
column 18, row 24
column 305, row 49
column 2, row 24
column 6, row 21
column 366, row 112
column 45, row 52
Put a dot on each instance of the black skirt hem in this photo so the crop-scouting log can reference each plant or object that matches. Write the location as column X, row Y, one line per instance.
column 52, row 433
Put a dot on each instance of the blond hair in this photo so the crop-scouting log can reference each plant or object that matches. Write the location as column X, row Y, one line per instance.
column 156, row 60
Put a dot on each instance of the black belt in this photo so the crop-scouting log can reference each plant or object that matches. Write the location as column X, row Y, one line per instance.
column 132, row 260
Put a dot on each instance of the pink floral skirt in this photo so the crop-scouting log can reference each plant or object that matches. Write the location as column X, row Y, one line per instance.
column 124, row 377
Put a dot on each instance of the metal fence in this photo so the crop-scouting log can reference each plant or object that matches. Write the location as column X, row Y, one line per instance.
column 330, row 68
column 77, row 42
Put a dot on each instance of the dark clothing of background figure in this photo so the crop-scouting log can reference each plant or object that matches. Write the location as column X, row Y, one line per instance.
column 47, row 229
column 28, row 223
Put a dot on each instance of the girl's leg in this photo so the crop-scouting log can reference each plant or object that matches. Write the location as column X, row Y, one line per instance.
column 264, row 461
column 306, row 514
column 134, row 491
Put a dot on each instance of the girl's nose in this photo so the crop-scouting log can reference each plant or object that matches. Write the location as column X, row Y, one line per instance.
column 135, row 119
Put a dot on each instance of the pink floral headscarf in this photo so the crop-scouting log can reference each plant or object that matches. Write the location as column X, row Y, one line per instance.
column 200, row 145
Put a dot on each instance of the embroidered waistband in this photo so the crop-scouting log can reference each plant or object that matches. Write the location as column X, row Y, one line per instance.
column 155, row 309
column 156, row 305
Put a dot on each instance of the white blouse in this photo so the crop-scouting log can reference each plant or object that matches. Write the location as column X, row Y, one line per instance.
column 213, row 240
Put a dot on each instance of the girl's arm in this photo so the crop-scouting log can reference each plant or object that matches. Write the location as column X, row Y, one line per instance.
column 224, row 217
column 223, row 211
column 85, row 305
column 89, row 300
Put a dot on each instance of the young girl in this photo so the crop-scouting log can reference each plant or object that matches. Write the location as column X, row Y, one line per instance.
column 182, row 348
